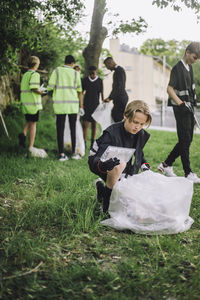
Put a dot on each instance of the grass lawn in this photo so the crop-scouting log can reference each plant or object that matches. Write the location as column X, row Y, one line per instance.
column 53, row 245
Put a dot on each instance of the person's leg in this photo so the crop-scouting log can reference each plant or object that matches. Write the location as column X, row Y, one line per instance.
column 185, row 127
column 22, row 136
column 32, row 133
column 112, row 177
column 174, row 154
column 93, row 133
column 26, row 128
column 85, row 130
column 72, row 125
column 60, row 126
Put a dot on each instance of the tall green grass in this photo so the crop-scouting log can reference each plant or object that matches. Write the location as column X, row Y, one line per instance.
column 53, row 245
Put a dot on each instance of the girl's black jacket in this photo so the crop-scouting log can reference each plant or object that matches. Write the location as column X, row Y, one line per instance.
column 116, row 135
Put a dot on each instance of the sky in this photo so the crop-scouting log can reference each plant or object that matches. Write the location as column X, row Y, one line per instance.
column 162, row 23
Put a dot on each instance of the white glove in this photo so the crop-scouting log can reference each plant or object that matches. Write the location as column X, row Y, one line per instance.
column 81, row 112
column 43, row 89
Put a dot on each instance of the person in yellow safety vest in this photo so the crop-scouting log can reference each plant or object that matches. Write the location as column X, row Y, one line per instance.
column 67, row 100
column 30, row 97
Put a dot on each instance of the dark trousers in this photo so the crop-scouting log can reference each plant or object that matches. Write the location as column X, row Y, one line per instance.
column 185, row 126
column 60, row 127
column 119, row 106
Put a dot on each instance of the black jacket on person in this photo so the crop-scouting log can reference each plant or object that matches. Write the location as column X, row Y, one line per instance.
column 118, row 94
column 183, row 83
column 116, row 135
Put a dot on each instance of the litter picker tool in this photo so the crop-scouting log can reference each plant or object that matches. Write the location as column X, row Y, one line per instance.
column 4, row 125
column 192, row 110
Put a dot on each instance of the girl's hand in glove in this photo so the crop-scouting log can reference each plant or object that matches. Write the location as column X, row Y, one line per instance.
column 109, row 164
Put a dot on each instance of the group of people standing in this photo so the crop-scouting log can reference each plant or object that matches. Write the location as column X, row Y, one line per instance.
column 71, row 96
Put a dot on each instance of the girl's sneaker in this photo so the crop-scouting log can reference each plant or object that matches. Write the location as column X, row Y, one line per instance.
column 167, row 171
column 193, row 177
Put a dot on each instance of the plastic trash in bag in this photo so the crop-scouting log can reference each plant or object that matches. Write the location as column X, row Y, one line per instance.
column 80, row 144
column 102, row 115
column 151, row 203
column 123, row 154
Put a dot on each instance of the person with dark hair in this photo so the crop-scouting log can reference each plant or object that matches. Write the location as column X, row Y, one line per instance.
column 67, row 100
column 92, row 88
column 128, row 134
column 118, row 93
column 182, row 97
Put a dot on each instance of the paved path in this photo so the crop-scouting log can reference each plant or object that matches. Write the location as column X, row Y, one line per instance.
column 172, row 129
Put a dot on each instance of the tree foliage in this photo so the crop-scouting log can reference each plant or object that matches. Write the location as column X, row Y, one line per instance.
column 174, row 51
column 133, row 26
column 177, row 4
column 22, row 23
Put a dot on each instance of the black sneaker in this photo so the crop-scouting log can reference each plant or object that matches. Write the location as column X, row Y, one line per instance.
column 22, row 140
column 100, row 189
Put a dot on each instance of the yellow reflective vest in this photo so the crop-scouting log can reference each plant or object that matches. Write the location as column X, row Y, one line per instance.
column 65, row 83
column 31, row 102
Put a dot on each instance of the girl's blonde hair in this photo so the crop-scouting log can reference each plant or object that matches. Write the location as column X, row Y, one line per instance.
column 32, row 61
column 137, row 106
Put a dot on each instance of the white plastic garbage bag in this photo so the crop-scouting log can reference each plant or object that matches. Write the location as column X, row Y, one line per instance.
column 37, row 152
column 80, row 145
column 102, row 115
column 151, row 203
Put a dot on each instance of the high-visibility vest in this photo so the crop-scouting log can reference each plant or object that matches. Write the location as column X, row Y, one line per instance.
column 65, row 83
column 31, row 102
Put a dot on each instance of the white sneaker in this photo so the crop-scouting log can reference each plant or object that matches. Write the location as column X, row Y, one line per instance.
column 63, row 157
column 36, row 152
column 193, row 177
column 76, row 156
column 167, row 171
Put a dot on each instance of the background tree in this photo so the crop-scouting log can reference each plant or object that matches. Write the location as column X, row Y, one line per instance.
column 172, row 49
column 98, row 33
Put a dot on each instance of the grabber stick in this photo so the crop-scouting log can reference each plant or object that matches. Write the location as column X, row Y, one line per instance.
column 4, row 125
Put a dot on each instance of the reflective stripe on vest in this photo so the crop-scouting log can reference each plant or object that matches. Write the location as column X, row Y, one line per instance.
column 65, row 101
column 30, row 103
column 182, row 93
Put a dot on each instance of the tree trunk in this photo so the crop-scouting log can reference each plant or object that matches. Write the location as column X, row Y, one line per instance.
column 98, row 34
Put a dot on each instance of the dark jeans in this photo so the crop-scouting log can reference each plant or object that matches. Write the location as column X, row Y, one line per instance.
column 60, row 126
column 185, row 126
